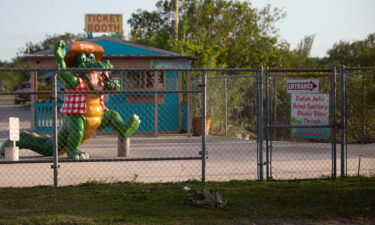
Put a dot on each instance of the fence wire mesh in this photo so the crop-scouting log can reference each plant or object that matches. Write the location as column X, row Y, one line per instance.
column 360, row 123
column 232, row 108
column 293, row 99
column 94, row 119
column 244, row 108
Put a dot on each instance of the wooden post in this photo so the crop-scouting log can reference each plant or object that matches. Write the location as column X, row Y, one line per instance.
column 176, row 19
column 156, row 106
column 34, row 87
column 123, row 146
column 12, row 153
column 156, row 114
column 189, row 105
column 180, row 98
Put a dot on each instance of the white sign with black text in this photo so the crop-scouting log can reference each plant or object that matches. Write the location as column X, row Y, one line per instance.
column 310, row 109
column 14, row 129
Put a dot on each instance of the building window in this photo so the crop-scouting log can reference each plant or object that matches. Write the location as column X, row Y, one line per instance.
column 149, row 80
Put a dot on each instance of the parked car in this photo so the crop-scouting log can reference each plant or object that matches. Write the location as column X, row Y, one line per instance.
column 21, row 97
column 44, row 97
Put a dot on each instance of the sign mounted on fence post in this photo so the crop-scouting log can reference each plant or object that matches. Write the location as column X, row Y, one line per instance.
column 310, row 109
column 302, row 86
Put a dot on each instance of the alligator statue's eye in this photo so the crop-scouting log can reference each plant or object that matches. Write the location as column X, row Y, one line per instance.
column 81, row 58
column 91, row 56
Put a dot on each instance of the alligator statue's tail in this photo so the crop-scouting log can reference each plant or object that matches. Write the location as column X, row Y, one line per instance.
column 43, row 145
column 33, row 141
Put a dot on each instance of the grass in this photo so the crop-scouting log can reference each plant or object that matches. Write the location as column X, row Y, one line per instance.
column 350, row 200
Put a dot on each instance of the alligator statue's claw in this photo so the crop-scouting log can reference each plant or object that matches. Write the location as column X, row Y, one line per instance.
column 78, row 155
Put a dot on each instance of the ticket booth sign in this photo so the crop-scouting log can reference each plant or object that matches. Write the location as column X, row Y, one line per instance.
column 103, row 23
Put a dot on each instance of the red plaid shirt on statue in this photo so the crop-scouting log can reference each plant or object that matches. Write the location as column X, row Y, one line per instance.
column 75, row 103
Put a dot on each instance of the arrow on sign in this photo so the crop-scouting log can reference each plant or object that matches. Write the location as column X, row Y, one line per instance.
column 302, row 85
column 313, row 85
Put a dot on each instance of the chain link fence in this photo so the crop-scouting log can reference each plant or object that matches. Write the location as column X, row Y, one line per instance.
column 360, row 123
column 301, row 128
column 196, row 124
column 233, row 111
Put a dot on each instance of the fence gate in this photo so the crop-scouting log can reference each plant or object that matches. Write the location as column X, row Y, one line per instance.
column 301, row 124
column 233, row 109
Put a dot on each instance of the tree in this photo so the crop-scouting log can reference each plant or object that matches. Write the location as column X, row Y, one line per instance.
column 50, row 41
column 360, row 87
column 151, row 28
column 357, row 53
column 300, row 57
column 220, row 33
column 12, row 79
column 305, row 46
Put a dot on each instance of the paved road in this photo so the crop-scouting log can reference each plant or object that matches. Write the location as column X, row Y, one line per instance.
column 227, row 158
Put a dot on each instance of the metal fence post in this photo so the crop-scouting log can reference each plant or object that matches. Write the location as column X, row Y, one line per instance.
column 204, row 108
column 267, row 124
column 333, row 122
column 260, row 124
column 55, row 165
column 272, row 134
column 189, row 119
column 343, row 119
column 226, row 105
column 363, row 115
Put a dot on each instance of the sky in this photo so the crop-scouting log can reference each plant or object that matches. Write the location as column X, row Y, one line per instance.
column 330, row 20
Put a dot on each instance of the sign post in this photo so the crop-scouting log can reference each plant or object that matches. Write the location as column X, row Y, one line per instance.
column 12, row 152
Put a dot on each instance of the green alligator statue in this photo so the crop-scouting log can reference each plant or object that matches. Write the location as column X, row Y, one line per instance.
column 84, row 114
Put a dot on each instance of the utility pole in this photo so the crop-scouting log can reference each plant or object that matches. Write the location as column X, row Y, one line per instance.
column 175, row 19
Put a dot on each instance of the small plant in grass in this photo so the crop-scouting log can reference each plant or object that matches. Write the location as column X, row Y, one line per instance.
column 134, row 179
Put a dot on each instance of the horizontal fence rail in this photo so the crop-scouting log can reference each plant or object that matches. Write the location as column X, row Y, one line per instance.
column 126, row 69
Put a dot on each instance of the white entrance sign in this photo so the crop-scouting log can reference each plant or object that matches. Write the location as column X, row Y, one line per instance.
column 302, row 86
column 310, row 109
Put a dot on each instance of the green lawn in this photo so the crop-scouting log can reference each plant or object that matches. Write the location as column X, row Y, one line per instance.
column 350, row 200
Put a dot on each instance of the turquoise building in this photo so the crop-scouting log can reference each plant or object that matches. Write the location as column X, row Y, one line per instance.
column 161, row 113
